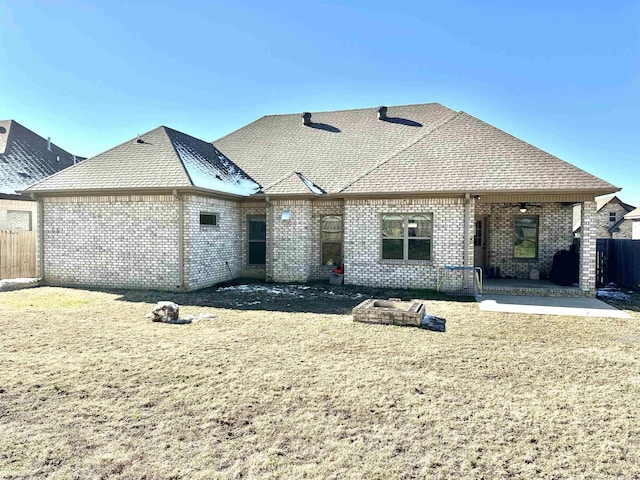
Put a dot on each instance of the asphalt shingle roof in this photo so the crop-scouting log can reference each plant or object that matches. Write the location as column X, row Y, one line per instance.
column 25, row 159
column 420, row 148
column 161, row 158
column 334, row 150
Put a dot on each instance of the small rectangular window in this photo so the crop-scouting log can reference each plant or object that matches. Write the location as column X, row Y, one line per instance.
column 612, row 217
column 525, row 237
column 208, row 219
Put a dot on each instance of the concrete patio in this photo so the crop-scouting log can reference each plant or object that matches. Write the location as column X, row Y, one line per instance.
column 550, row 305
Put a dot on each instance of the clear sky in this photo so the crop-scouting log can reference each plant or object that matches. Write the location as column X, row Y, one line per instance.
column 562, row 75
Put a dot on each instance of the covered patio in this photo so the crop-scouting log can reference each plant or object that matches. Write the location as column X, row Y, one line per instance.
column 517, row 236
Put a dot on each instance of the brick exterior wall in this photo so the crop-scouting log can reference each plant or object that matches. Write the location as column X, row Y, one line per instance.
column 111, row 241
column 212, row 254
column 362, row 242
column 588, row 249
column 290, row 241
column 555, row 232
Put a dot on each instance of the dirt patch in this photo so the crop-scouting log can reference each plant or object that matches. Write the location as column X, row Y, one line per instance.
column 308, row 298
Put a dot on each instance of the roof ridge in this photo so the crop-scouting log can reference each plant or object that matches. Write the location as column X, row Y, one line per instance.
column 398, row 151
column 322, row 111
column 175, row 151
column 306, row 180
column 280, row 180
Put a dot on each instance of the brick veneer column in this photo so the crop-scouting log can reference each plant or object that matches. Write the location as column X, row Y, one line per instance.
column 588, row 248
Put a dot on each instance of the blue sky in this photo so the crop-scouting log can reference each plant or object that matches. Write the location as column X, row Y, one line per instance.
column 564, row 76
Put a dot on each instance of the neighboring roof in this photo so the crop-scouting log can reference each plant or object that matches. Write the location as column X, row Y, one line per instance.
column 602, row 202
column 633, row 215
column 419, row 148
column 616, row 226
column 25, row 158
column 160, row 159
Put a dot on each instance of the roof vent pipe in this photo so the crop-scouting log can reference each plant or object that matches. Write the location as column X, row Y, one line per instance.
column 49, row 143
column 382, row 113
column 74, row 160
column 139, row 140
column 306, row 118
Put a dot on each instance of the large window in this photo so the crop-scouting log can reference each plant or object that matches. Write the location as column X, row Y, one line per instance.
column 526, row 237
column 257, row 236
column 406, row 237
column 331, row 239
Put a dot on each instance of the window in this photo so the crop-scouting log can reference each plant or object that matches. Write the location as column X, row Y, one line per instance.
column 612, row 217
column 331, row 240
column 406, row 237
column 526, row 237
column 210, row 219
column 257, row 236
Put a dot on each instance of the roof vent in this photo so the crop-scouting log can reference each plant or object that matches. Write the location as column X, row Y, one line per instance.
column 75, row 160
column 49, row 143
column 306, row 118
column 382, row 113
column 139, row 140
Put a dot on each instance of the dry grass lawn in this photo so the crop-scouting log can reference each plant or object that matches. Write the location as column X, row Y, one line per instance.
column 89, row 388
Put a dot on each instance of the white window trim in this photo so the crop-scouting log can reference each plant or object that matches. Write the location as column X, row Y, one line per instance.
column 405, row 245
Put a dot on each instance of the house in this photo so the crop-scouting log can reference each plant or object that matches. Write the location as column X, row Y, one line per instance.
column 397, row 193
column 611, row 218
column 634, row 218
column 25, row 157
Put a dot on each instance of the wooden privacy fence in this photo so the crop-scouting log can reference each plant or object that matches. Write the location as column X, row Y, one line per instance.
column 17, row 254
column 618, row 261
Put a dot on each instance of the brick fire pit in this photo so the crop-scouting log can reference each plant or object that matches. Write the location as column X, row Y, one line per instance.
column 389, row 312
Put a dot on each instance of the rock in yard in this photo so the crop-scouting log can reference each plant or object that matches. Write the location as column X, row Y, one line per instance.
column 167, row 312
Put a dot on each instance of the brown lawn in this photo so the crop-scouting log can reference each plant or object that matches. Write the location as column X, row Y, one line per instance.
column 89, row 388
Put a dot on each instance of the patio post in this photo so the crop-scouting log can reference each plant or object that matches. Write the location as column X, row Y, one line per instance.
column 588, row 248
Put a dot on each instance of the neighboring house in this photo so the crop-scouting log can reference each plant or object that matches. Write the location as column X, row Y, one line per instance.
column 25, row 158
column 634, row 218
column 611, row 220
column 397, row 193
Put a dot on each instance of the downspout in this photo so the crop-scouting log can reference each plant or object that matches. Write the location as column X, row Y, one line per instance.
column 269, row 226
column 40, row 220
column 465, row 243
column 180, row 239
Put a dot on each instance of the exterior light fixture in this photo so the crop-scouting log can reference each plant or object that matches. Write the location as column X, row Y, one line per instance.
column 523, row 207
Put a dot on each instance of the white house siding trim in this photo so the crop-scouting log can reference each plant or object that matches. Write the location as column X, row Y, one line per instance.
column 127, row 241
column 362, row 237
column 213, row 254
column 555, row 232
